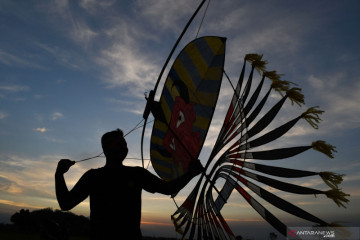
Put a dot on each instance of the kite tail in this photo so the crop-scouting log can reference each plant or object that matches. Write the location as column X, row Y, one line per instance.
column 332, row 179
column 259, row 65
column 312, row 116
column 324, row 148
column 278, row 85
column 251, row 57
column 296, row 96
column 256, row 62
column 273, row 75
column 338, row 196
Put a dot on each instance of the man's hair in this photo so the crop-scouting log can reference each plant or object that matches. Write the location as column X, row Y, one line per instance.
column 109, row 137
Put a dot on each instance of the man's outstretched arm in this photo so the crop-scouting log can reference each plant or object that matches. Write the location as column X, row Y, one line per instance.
column 174, row 186
column 67, row 199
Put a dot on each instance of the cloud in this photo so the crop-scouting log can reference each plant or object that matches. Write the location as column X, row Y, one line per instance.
column 134, row 50
column 134, row 106
column 340, row 99
column 252, row 27
column 73, row 24
column 62, row 55
column 56, row 115
column 128, row 67
column 93, row 6
column 35, row 176
column 3, row 115
column 80, row 32
column 8, row 186
column 19, row 204
column 171, row 17
column 126, row 62
column 23, row 176
column 42, row 130
column 13, row 60
column 14, row 88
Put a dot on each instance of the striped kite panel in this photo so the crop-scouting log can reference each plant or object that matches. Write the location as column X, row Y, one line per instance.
column 187, row 102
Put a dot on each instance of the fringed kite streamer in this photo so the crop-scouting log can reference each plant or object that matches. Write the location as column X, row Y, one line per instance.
column 240, row 142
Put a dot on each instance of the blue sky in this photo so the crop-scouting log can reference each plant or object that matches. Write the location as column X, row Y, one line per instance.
column 72, row 70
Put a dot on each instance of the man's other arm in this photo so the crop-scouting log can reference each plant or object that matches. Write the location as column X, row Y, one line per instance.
column 69, row 199
column 174, row 186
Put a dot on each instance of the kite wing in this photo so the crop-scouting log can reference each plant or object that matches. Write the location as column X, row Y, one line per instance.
column 241, row 142
column 186, row 106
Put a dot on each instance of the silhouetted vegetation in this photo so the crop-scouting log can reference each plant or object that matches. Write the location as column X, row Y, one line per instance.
column 49, row 224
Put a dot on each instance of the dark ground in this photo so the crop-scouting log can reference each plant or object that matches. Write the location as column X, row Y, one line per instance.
column 49, row 224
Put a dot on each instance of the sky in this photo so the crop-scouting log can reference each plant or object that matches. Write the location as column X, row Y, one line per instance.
column 73, row 70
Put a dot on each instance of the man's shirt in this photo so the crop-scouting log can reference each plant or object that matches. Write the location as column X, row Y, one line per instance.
column 115, row 199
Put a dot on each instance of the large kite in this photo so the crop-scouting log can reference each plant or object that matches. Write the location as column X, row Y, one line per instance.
column 182, row 119
column 186, row 106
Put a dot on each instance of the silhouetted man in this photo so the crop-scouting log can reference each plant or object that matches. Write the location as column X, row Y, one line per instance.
column 115, row 190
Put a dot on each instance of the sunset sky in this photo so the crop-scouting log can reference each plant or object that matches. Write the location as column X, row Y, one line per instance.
column 73, row 70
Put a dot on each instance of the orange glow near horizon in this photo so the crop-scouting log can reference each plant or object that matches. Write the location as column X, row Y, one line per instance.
column 18, row 204
column 243, row 220
column 156, row 223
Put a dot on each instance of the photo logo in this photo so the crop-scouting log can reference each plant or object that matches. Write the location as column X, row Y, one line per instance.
column 326, row 233
column 292, row 233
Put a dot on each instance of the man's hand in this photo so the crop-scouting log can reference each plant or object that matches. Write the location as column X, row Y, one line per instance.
column 64, row 166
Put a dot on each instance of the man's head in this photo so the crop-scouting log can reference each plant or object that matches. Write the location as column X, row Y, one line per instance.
column 114, row 145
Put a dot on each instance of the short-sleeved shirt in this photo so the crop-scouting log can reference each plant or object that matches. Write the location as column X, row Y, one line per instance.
column 115, row 200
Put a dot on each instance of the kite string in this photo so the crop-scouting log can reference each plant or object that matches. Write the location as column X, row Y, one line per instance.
column 99, row 155
column 202, row 19
column 241, row 133
column 228, row 78
column 85, row 159
column 134, row 128
column 137, row 126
